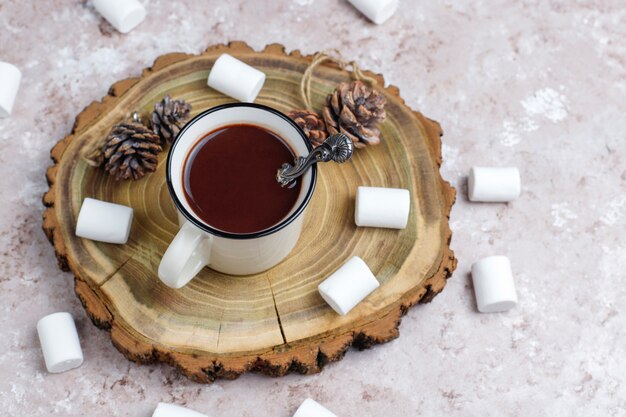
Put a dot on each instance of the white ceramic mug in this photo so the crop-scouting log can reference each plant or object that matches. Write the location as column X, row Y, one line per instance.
column 197, row 243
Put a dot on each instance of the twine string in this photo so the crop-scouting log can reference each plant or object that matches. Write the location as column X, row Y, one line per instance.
column 332, row 55
column 92, row 154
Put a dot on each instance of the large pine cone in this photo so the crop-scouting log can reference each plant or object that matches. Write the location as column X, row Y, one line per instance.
column 313, row 126
column 130, row 151
column 168, row 117
column 355, row 109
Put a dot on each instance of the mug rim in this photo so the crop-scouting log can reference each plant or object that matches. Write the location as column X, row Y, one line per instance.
column 216, row 232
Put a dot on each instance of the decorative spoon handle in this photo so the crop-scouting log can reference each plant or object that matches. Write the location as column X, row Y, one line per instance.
column 337, row 147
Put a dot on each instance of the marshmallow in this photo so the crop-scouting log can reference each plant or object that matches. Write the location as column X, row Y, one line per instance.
column 10, row 78
column 173, row 410
column 236, row 79
column 378, row 11
column 123, row 15
column 348, row 285
column 59, row 342
column 311, row 408
column 493, row 284
column 104, row 222
column 382, row 207
column 497, row 185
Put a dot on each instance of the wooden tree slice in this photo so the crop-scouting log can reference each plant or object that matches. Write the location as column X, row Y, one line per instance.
column 220, row 326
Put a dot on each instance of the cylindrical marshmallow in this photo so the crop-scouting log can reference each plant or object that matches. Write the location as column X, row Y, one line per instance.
column 123, row 15
column 493, row 284
column 382, row 207
column 104, row 222
column 236, row 79
column 10, row 78
column 173, row 410
column 59, row 342
column 495, row 185
column 348, row 285
column 378, row 11
column 311, row 408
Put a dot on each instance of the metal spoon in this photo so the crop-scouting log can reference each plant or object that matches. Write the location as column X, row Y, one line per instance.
column 337, row 147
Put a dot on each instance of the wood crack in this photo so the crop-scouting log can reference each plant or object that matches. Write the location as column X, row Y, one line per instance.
column 280, row 323
column 219, row 332
column 108, row 277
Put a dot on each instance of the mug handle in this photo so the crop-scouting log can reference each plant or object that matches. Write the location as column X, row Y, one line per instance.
column 189, row 252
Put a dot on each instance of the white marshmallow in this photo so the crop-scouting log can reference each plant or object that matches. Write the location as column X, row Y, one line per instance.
column 173, row 410
column 378, row 11
column 496, row 185
column 493, row 284
column 104, row 222
column 311, row 408
column 10, row 78
column 382, row 207
column 59, row 342
column 348, row 285
column 123, row 15
column 236, row 79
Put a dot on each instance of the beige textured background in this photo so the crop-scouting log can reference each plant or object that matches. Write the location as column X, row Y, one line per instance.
column 537, row 84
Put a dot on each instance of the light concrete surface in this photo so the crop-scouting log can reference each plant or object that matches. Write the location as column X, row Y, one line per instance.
column 536, row 84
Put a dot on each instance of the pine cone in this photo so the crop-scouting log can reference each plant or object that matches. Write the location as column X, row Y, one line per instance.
column 312, row 124
column 355, row 109
column 130, row 151
column 168, row 117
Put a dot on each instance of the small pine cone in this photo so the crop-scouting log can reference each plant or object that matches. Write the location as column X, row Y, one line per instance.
column 130, row 151
column 168, row 117
column 312, row 124
column 355, row 109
